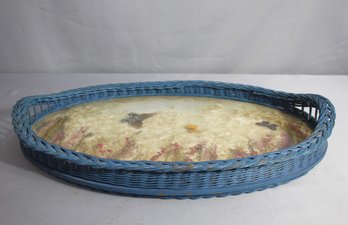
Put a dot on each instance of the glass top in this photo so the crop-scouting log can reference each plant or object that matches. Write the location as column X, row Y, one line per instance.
column 172, row 128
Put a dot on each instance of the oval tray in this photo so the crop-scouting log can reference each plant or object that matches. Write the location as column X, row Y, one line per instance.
column 177, row 179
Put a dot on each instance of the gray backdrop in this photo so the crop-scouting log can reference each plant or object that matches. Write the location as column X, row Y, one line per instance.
column 183, row 36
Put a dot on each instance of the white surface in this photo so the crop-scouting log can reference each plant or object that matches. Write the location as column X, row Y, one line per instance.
column 31, row 197
column 199, row 36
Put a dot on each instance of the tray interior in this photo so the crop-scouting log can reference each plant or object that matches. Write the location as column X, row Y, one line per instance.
column 172, row 128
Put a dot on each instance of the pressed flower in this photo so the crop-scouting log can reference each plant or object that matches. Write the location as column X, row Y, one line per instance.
column 238, row 153
column 171, row 152
column 75, row 137
column 127, row 150
column 202, row 152
column 191, row 128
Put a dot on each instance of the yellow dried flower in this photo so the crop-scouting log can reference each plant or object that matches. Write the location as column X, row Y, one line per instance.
column 191, row 128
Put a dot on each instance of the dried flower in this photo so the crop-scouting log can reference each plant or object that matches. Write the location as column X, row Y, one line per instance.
column 191, row 128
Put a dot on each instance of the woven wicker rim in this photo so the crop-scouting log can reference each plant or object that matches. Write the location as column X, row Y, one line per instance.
column 322, row 125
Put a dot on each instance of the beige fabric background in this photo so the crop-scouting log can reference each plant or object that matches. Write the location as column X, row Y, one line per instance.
column 183, row 36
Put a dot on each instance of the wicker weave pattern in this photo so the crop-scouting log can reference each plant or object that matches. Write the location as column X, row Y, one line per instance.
column 177, row 179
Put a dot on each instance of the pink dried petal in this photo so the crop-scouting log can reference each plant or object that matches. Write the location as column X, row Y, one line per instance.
column 100, row 145
column 285, row 140
column 76, row 137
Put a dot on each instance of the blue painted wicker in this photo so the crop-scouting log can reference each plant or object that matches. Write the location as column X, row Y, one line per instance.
column 177, row 179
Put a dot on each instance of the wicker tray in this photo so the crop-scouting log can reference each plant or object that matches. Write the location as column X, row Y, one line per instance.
column 177, row 179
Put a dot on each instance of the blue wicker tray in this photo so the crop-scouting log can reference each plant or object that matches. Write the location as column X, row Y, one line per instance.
column 177, row 179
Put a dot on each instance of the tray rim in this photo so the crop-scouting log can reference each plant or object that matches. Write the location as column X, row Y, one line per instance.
column 23, row 129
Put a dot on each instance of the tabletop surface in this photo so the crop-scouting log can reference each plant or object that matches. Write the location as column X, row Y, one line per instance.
column 30, row 196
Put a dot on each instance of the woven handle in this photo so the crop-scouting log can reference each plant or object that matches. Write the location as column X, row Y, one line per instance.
column 327, row 114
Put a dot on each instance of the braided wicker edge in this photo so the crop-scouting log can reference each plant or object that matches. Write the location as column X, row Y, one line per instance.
column 22, row 120
column 183, row 193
